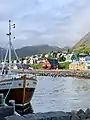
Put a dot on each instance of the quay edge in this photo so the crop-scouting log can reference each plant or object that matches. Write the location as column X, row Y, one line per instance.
column 58, row 73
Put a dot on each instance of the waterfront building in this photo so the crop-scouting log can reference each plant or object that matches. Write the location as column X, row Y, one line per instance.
column 80, row 65
column 84, row 57
column 50, row 64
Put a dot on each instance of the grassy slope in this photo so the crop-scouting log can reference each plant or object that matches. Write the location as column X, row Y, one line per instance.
column 83, row 45
column 36, row 66
column 65, row 65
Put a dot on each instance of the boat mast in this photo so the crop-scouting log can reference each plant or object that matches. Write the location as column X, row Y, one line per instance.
column 9, row 45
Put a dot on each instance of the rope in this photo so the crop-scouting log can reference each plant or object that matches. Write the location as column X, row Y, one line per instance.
column 8, row 91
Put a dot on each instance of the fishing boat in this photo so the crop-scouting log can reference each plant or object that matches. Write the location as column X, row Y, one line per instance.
column 14, row 86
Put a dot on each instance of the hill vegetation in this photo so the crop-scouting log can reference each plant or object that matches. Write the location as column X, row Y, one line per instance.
column 32, row 50
column 83, row 45
column 2, row 52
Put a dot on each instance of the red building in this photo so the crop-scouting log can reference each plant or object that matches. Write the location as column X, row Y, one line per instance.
column 50, row 64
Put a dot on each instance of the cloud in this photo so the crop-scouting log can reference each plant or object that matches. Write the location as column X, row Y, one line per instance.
column 53, row 22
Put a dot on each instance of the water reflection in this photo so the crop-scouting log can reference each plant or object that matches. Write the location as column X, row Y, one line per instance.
column 53, row 94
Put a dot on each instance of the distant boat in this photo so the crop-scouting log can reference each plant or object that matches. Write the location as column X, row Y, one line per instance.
column 14, row 86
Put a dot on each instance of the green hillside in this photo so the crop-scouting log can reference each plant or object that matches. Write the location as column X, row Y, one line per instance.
column 83, row 45
column 32, row 50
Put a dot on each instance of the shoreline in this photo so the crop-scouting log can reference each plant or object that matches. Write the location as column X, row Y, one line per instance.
column 53, row 115
column 58, row 73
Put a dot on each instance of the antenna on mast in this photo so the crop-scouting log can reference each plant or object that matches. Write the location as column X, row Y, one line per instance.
column 10, row 47
column 10, row 43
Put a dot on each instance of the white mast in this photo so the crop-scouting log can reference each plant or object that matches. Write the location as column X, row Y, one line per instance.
column 9, row 45
column 8, row 50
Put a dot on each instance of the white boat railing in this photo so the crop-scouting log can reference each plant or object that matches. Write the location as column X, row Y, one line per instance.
column 16, row 76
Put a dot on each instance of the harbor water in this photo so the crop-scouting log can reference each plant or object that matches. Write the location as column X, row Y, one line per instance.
column 61, row 94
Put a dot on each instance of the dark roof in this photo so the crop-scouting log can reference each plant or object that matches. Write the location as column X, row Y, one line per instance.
column 53, row 62
column 83, row 55
column 24, row 66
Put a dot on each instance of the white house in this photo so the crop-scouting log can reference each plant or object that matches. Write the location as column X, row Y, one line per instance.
column 25, row 61
column 15, row 61
column 84, row 57
column 15, row 67
column 20, row 61
column 31, row 61
column 58, row 54
column 46, row 55
column 68, row 58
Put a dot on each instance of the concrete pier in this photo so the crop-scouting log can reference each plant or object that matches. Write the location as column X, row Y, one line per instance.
column 58, row 73
column 6, row 110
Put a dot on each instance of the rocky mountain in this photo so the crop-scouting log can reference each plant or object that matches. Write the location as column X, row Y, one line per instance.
column 83, row 45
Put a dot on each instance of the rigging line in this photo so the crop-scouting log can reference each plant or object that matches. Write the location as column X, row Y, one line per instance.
column 5, row 46
column 8, row 90
column 16, row 54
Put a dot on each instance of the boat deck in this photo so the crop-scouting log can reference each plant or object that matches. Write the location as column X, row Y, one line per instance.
column 15, row 75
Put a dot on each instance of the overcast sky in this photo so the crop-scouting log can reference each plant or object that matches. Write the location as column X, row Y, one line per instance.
column 53, row 22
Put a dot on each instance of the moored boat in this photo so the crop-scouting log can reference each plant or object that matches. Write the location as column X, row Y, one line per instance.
column 14, row 86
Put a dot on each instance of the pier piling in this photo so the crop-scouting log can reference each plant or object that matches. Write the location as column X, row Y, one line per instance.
column 12, row 103
column 1, row 99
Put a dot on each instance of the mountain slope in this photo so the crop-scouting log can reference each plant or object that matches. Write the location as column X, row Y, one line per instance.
column 2, row 53
column 83, row 45
column 32, row 50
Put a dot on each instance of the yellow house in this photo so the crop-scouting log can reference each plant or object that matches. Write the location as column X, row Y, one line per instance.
column 78, row 66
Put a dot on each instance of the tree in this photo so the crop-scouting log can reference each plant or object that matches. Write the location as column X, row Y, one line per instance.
column 61, row 58
column 60, row 54
column 78, row 55
column 43, row 55
column 54, row 54
column 68, row 50
column 49, row 56
column 17, row 61
column 73, row 57
column 23, row 59
column 87, row 52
